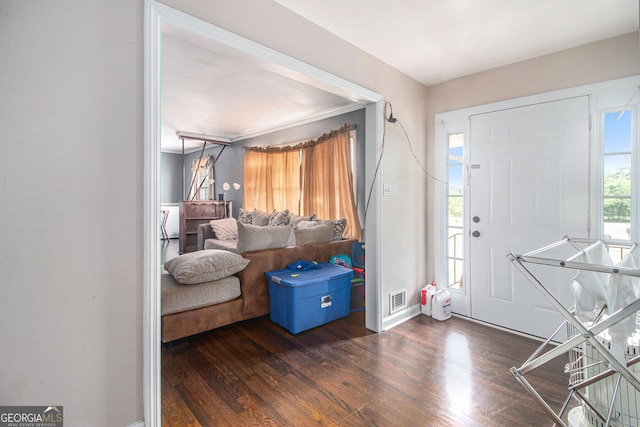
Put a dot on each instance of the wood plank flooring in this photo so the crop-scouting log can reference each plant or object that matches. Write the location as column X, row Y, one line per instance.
column 420, row 373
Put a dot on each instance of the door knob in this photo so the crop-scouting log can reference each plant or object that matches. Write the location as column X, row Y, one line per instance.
column 476, row 219
column 476, row 233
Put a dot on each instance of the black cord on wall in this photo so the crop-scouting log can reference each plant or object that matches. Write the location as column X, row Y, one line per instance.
column 375, row 174
column 391, row 119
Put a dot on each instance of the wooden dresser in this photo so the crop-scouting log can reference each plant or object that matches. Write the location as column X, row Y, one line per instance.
column 194, row 213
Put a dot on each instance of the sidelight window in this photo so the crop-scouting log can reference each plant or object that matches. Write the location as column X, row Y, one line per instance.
column 455, row 204
column 618, row 184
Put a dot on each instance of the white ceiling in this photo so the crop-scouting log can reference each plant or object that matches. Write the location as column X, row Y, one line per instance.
column 434, row 40
column 209, row 89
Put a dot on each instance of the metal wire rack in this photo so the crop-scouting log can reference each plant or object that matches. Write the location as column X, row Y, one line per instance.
column 606, row 385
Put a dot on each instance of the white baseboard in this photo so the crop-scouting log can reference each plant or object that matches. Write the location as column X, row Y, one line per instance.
column 400, row 317
column 501, row 328
column 138, row 424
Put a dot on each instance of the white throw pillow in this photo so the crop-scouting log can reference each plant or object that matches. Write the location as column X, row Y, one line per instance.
column 225, row 229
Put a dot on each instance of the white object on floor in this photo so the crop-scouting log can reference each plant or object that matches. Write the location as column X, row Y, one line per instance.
column 441, row 309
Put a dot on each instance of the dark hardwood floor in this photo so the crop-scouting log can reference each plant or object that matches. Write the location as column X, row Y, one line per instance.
column 423, row 372
column 169, row 248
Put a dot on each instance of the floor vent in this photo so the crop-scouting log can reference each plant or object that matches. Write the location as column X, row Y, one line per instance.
column 397, row 301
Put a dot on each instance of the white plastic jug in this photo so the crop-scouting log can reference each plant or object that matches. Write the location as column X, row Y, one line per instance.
column 441, row 305
column 427, row 294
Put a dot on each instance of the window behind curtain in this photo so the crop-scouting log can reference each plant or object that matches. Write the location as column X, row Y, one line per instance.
column 272, row 179
column 313, row 177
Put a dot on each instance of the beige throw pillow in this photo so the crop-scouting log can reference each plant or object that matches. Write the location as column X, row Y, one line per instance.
column 338, row 226
column 260, row 218
column 205, row 266
column 296, row 219
column 254, row 238
column 321, row 233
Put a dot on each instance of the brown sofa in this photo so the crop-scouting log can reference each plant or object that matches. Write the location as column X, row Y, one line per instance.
column 254, row 299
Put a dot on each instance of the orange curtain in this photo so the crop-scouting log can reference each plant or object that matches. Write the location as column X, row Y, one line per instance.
column 327, row 180
column 272, row 179
column 285, row 179
column 257, row 181
column 312, row 177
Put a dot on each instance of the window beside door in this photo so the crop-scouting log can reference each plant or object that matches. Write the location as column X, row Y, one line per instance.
column 455, row 203
column 617, row 178
column 616, row 203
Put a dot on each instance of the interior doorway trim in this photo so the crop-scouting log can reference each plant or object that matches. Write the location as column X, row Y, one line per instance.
column 155, row 15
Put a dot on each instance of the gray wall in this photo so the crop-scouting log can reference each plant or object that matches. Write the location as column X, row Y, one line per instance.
column 171, row 178
column 230, row 165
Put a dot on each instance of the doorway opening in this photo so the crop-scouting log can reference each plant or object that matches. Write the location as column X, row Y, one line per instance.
column 157, row 15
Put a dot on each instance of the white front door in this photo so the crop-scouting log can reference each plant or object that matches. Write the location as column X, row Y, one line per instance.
column 528, row 187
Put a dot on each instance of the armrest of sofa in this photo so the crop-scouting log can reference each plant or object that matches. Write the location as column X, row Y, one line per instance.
column 204, row 232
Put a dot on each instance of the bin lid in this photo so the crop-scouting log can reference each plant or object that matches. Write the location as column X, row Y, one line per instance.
column 325, row 271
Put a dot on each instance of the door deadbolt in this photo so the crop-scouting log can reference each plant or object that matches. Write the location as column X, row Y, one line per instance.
column 476, row 219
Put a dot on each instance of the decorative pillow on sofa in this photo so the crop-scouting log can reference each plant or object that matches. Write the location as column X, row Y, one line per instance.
column 225, row 229
column 296, row 219
column 204, row 266
column 308, row 224
column 338, row 227
column 245, row 216
column 321, row 233
column 254, row 238
column 279, row 218
column 260, row 218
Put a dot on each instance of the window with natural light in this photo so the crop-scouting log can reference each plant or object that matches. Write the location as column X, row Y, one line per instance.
column 455, row 203
column 616, row 191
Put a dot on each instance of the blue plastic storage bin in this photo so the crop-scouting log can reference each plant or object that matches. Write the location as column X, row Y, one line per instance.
column 301, row 300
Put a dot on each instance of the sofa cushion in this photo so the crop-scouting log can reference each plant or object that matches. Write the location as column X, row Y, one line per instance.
column 204, row 266
column 227, row 245
column 177, row 298
column 225, row 229
column 259, row 217
column 254, row 238
column 338, row 227
column 279, row 218
column 321, row 233
column 296, row 219
column 245, row 216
